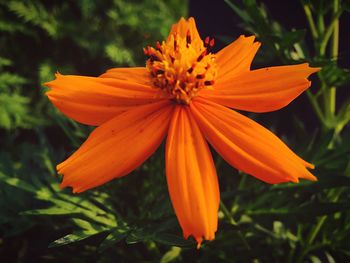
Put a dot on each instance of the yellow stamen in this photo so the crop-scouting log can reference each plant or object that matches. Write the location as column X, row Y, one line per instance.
column 181, row 66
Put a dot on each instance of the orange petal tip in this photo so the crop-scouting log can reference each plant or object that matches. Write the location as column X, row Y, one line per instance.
column 48, row 84
column 252, row 37
column 57, row 74
column 314, row 70
column 312, row 178
column 310, row 166
column 76, row 190
column 190, row 19
column 59, row 166
column 199, row 242
column 294, row 180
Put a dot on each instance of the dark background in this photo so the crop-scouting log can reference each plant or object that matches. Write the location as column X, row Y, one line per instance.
column 215, row 18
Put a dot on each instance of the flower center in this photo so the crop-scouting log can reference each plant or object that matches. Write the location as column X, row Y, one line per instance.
column 182, row 66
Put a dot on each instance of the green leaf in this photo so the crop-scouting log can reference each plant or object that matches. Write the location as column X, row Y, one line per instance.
column 334, row 75
column 5, row 62
column 306, row 212
column 172, row 240
column 114, row 237
column 321, row 147
column 239, row 11
column 15, row 112
column 137, row 235
column 46, row 73
column 73, row 238
column 16, row 182
column 315, row 259
column 171, row 255
column 35, row 13
column 290, row 38
column 10, row 80
column 50, row 211
column 119, row 55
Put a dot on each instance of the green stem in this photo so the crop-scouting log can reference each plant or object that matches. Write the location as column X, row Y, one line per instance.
column 315, row 106
column 233, row 222
column 309, row 18
column 335, row 40
column 329, row 95
column 240, row 186
column 334, row 53
column 332, row 29
column 242, row 182
column 333, row 197
column 315, row 230
column 315, row 34
column 320, row 20
column 227, row 214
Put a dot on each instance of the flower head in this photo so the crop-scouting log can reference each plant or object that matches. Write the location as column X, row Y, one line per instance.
column 182, row 65
column 184, row 93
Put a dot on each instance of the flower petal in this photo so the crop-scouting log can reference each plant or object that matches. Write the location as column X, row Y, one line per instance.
column 237, row 57
column 93, row 101
column 183, row 26
column 117, row 147
column 248, row 146
column 191, row 177
column 139, row 75
column 262, row 90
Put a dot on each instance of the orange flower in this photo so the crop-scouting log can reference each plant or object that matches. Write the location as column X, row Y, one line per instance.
column 184, row 92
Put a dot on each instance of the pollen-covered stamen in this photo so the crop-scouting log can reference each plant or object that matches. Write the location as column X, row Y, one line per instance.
column 206, row 41
column 175, row 42
column 201, row 56
column 188, row 38
column 209, row 43
column 209, row 82
column 172, row 59
column 182, row 66
column 159, row 47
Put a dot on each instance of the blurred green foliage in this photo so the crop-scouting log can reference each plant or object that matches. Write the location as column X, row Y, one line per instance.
column 131, row 219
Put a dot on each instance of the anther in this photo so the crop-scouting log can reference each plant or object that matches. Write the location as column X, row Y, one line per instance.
column 181, row 75
column 153, row 57
column 212, row 42
column 190, row 70
column 159, row 72
column 209, row 82
column 175, row 42
column 201, row 56
column 209, row 43
column 188, row 38
column 206, row 41
column 159, row 47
